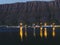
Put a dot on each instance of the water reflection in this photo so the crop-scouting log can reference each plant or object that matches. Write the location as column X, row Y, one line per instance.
column 25, row 30
column 21, row 32
column 25, row 33
column 34, row 32
column 45, row 32
column 53, row 32
column 41, row 32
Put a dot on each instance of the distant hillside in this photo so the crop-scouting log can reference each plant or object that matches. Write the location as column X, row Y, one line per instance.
column 29, row 12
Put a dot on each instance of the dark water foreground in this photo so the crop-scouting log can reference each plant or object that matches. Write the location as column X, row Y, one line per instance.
column 10, row 36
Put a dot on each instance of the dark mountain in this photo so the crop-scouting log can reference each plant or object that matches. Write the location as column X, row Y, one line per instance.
column 30, row 12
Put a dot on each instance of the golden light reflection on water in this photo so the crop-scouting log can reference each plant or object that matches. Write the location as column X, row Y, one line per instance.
column 25, row 33
column 53, row 32
column 25, row 30
column 41, row 32
column 34, row 33
column 21, row 32
column 45, row 32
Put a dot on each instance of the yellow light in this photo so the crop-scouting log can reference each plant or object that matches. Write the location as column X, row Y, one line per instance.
column 53, row 28
column 25, row 34
column 41, row 33
column 20, row 23
column 45, row 32
column 25, row 31
column 21, row 32
column 41, row 28
column 53, row 32
column 45, row 24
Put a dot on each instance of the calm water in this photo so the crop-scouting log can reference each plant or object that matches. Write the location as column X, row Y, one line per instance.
column 11, row 36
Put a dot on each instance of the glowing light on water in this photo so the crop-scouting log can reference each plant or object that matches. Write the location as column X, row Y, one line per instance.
column 25, row 30
column 53, row 28
column 21, row 32
column 25, row 33
column 53, row 32
column 45, row 32
column 41, row 32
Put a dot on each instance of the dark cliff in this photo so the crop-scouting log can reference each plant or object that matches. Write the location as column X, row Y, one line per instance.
column 29, row 12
